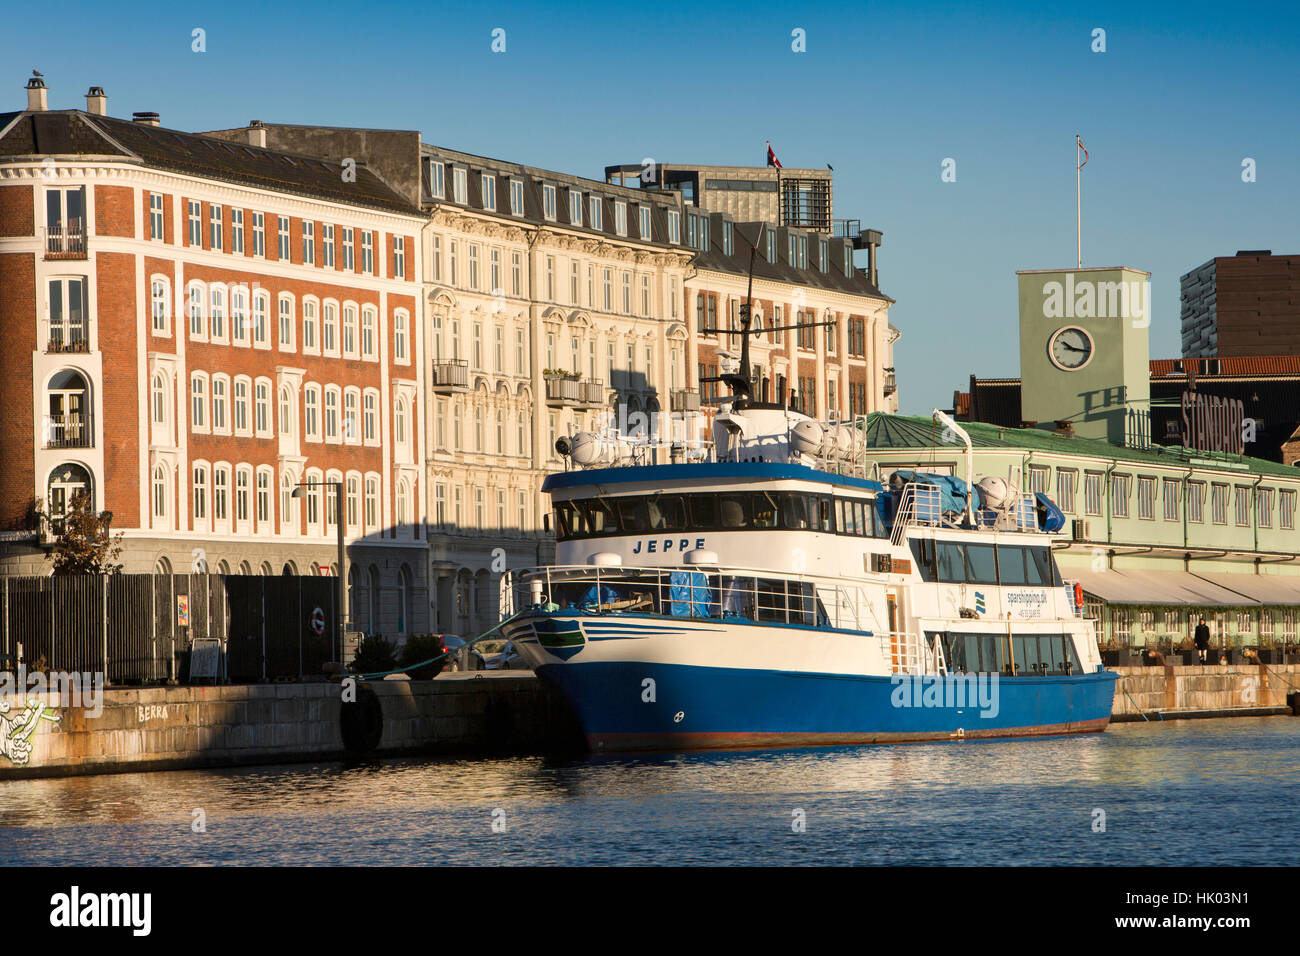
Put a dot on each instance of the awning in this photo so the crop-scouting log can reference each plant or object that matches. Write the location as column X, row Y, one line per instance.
column 1159, row 587
column 1264, row 588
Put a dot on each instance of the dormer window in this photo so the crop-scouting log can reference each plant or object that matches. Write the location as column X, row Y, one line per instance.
column 575, row 208
column 437, row 182
column 459, row 185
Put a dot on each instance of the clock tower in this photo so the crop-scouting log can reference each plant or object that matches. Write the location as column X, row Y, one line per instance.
column 1084, row 353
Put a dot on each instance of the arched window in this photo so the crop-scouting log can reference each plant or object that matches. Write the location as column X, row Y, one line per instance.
column 67, row 482
column 158, row 401
column 239, row 315
column 69, row 406
column 286, row 323
column 200, row 485
column 217, row 312
column 330, row 336
column 350, row 330
column 372, row 504
column 160, row 305
column 160, row 492
column 351, row 417
column 399, row 429
column 286, row 411
column 261, row 321
column 403, row 506
column 194, row 305
column 310, row 342
column 404, row 601
column 370, row 416
column 369, row 321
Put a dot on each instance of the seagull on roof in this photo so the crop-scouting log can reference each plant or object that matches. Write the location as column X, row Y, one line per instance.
column 37, row 73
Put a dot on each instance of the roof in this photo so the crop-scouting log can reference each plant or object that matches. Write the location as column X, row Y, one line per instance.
column 702, row 471
column 74, row 132
column 886, row 432
column 1236, row 365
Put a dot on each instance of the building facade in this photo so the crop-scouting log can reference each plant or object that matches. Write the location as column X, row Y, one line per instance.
column 1242, row 305
column 194, row 328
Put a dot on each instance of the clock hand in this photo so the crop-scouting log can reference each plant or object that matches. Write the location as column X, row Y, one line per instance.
column 1073, row 348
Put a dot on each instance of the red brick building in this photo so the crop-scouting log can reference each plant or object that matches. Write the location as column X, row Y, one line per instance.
column 193, row 327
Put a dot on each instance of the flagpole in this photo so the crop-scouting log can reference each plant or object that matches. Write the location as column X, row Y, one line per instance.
column 1078, row 228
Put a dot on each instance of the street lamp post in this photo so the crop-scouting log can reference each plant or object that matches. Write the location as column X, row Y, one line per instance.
column 340, row 614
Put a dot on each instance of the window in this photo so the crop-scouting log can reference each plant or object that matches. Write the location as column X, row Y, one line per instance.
column 516, row 274
column 1286, row 510
column 516, row 197
column 822, row 254
column 286, row 411
column 459, row 180
column 627, row 293
column 674, row 227
column 160, row 492
column 349, row 331
column 194, row 212
column 200, row 479
column 327, row 245
column 263, row 498
column 330, row 336
column 262, row 408
column 282, row 238
column 728, row 233
column 620, row 218
column 400, row 322
column 243, row 494
column 214, row 227
column 1196, row 501
column 771, row 246
column 370, row 417
column 453, row 256
column 399, row 430
column 548, row 202
column 372, row 503
column 155, row 216
column 160, row 305
column 369, row 323
column 489, row 192
column 437, row 179
column 353, row 497
column 309, row 321
column 1146, row 498
column 1171, row 494
column 286, row 323
column 1219, row 504
column 198, row 329
column 311, row 412
column 241, row 401
column 1264, row 507
column 521, row 361
column 643, row 217
column 1066, row 483
column 351, row 417
column 349, row 261
column 594, row 213
column 220, row 492
column 220, row 395
column 237, row 231
column 158, row 403
column 1038, row 478
column 367, row 252
column 473, row 266
column 217, row 312
column 331, row 413
column 1242, row 505
column 399, row 257
column 1119, row 485
column 198, row 402
column 261, row 321
column 608, row 289
column 308, row 243
column 259, row 234
column 645, row 295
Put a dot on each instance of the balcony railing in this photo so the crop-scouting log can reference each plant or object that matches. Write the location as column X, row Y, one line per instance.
column 66, row 240
column 891, row 384
column 452, row 375
column 563, row 391
column 67, row 338
column 593, row 392
column 68, row 431
column 684, row 400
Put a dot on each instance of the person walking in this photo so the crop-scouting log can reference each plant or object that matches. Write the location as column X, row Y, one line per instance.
column 1202, row 640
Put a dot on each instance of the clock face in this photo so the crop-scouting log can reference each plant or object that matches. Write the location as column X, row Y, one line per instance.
column 1070, row 348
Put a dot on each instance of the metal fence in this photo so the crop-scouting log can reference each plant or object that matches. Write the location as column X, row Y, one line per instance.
column 140, row 628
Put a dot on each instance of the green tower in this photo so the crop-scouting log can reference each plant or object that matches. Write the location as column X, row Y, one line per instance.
column 1084, row 353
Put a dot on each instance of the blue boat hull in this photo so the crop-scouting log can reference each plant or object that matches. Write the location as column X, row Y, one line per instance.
column 694, row 707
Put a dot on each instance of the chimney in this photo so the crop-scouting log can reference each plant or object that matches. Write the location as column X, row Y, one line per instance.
column 36, row 94
column 96, row 101
column 256, row 134
column 147, row 119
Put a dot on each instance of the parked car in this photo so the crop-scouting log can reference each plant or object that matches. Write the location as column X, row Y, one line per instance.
column 458, row 659
column 498, row 655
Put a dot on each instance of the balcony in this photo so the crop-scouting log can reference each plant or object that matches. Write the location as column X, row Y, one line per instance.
column 68, row 431
column 450, row 376
column 891, row 384
column 593, row 392
column 684, row 400
column 562, row 390
column 66, row 240
column 67, row 338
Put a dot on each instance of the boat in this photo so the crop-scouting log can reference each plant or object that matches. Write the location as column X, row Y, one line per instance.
column 770, row 588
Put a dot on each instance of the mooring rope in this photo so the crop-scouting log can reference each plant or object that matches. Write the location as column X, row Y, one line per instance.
column 416, row 666
column 1135, row 704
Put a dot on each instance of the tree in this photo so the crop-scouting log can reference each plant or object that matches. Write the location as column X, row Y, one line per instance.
column 84, row 542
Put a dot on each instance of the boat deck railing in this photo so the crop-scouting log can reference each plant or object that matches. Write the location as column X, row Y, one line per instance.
column 693, row 592
column 920, row 505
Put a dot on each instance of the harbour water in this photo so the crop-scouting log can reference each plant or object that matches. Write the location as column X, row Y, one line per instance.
column 1196, row 792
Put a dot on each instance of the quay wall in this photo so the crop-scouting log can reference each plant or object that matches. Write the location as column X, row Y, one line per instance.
column 1210, row 690
column 158, row 728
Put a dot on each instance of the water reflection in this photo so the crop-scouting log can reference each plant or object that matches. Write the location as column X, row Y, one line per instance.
column 1171, row 791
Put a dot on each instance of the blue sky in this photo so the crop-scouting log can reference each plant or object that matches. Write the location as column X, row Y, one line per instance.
column 884, row 93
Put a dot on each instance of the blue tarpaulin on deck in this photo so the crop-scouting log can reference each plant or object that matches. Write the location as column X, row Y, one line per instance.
column 689, row 593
